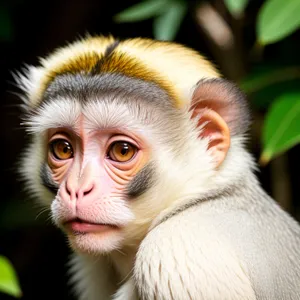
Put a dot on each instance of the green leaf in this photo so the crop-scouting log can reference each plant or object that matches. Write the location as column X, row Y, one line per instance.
column 165, row 26
column 281, row 129
column 8, row 280
column 277, row 19
column 141, row 11
column 236, row 7
column 6, row 28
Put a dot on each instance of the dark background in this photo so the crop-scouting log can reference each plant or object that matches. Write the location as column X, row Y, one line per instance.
column 37, row 250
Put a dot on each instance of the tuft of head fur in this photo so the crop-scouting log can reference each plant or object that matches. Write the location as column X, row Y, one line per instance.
column 171, row 66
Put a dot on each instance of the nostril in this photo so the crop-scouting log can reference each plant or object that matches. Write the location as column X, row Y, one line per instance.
column 68, row 190
column 80, row 193
column 88, row 190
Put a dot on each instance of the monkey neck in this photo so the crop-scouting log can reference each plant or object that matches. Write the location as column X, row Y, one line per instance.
column 231, row 177
column 123, row 261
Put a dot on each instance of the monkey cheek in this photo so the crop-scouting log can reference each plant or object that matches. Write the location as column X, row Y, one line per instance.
column 97, row 242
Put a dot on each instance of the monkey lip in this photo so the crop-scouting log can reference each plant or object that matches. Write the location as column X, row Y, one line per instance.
column 81, row 226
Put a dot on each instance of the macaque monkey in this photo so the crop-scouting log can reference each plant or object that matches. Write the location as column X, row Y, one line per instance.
column 138, row 150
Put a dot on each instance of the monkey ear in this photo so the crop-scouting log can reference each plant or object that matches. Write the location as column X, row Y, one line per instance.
column 222, row 113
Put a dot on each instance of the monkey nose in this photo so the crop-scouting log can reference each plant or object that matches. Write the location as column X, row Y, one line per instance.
column 76, row 194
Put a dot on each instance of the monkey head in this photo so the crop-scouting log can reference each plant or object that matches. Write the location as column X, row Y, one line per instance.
column 125, row 132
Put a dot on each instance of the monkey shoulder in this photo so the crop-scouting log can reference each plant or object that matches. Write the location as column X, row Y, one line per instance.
column 206, row 252
column 188, row 257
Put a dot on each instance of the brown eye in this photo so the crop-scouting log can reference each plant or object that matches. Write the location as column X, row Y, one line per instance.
column 61, row 149
column 121, row 151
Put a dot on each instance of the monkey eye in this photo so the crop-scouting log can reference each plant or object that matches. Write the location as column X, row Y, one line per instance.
column 121, row 151
column 61, row 149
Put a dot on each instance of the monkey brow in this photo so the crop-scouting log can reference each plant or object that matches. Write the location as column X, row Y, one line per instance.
column 98, row 115
column 54, row 114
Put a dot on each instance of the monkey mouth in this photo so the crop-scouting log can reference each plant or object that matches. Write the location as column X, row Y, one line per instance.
column 80, row 226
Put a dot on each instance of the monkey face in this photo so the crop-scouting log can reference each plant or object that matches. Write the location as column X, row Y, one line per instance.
column 93, row 167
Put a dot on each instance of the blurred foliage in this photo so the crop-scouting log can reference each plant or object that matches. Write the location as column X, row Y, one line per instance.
column 236, row 7
column 141, row 11
column 167, row 15
column 282, row 125
column 166, row 25
column 8, row 280
column 276, row 20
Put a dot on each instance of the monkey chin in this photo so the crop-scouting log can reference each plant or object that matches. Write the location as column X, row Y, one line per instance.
column 95, row 243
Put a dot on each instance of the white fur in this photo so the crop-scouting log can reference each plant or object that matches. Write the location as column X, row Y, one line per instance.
column 31, row 162
column 193, row 260
column 102, row 114
column 29, row 80
column 56, row 114
column 92, row 277
column 127, row 291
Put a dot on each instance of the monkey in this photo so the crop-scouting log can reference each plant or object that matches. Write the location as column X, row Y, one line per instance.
column 138, row 149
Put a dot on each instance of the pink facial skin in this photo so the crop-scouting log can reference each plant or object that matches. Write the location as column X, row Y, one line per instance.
column 91, row 205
